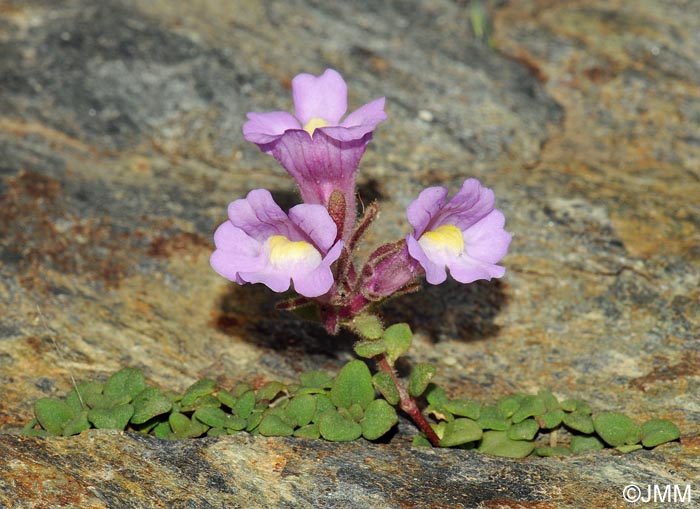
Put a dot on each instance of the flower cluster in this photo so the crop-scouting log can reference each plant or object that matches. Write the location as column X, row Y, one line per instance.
column 311, row 247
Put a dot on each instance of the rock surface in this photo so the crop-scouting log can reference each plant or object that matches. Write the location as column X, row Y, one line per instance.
column 120, row 148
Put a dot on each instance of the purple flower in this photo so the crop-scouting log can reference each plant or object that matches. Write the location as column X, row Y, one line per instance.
column 261, row 244
column 319, row 151
column 464, row 235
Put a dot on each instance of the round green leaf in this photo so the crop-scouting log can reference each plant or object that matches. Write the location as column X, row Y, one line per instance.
column 460, row 431
column 81, row 396
column 226, row 398
column 183, row 427
column 269, row 391
column 353, row 384
column 581, row 443
column 384, row 383
column 420, row 378
column 199, row 388
column 576, row 405
column 550, row 419
column 497, row 443
column 398, row 339
column 579, row 421
column 369, row 349
column 336, row 428
column 659, row 431
column 77, row 424
column 524, row 430
column 111, row 418
column 379, row 418
column 212, row 416
column 616, row 429
column 244, row 405
column 316, row 380
column 308, row 431
column 530, row 406
column 492, row 418
column 547, row 451
column 463, row 408
column 509, row 404
column 273, row 426
column 301, row 409
column 368, row 326
column 323, row 405
column 149, row 403
column 126, row 382
column 53, row 414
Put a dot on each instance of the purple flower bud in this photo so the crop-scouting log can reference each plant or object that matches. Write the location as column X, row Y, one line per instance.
column 319, row 151
column 261, row 244
column 388, row 270
column 464, row 235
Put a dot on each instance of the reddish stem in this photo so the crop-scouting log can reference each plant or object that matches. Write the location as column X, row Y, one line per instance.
column 408, row 404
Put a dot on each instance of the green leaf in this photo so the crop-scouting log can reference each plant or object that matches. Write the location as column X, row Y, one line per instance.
column 497, row 443
column 111, row 418
column 524, row 430
column 420, row 378
column 547, row 451
column 149, row 403
column 301, row 409
column 269, row 391
column 384, row 383
column 398, row 339
column 316, row 379
column 492, row 418
column 183, row 427
column 368, row 326
column 530, row 406
column 162, row 430
column 77, row 424
column 53, row 414
column 208, row 400
column 436, row 395
column 235, row 423
column 212, row 416
column 244, row 405
column 356, row 412
column 628, row 448
column 323, row 405
column 659, row 431
column 582, row 444
column 369, row 349
column 308, row 431
column 215, row 432
column 421, row 441
column 460, row 431
column 464, row 408
column 199, row 388
column 253, row 420
column 550, row 419
column 336, row 428
column 579, row 421
column 379, row 418
column 126, row 382
column 550, row 400
column 273, row 426
column 509, row 404
column 226, row 398
column 576, row 405
column 88, row 392
column 616, row 429
column 353, row 384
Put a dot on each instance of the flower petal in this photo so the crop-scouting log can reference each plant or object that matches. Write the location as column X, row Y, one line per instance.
column 368, row 116
column 265, row 128
column 421, row 211
column 322, row 97
column 434, row 273
column 260, row 217
column 466, row 269
column 235, row 252
column 486, row 240
column 315, row 221
column 471, row 203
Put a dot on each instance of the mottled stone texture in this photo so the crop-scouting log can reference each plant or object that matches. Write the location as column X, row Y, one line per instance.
column 120, row 147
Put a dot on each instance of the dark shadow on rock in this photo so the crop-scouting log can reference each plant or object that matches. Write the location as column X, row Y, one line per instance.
column 249, row 311
column 451, row 310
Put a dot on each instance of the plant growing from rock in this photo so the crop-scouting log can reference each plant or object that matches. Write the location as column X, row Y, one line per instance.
column 312, row 250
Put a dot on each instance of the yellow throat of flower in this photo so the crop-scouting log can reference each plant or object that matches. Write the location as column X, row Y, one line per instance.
column 447, row 238
column 284, row 252
column 314, row 124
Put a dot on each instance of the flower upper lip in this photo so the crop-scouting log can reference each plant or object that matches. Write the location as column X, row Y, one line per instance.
column 323, row 97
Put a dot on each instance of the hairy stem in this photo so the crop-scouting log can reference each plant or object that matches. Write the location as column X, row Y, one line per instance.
column 408, row 404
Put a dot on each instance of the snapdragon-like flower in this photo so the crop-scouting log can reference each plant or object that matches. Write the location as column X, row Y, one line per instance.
column 318, row 149
column 464, row 235
column 261, row 244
